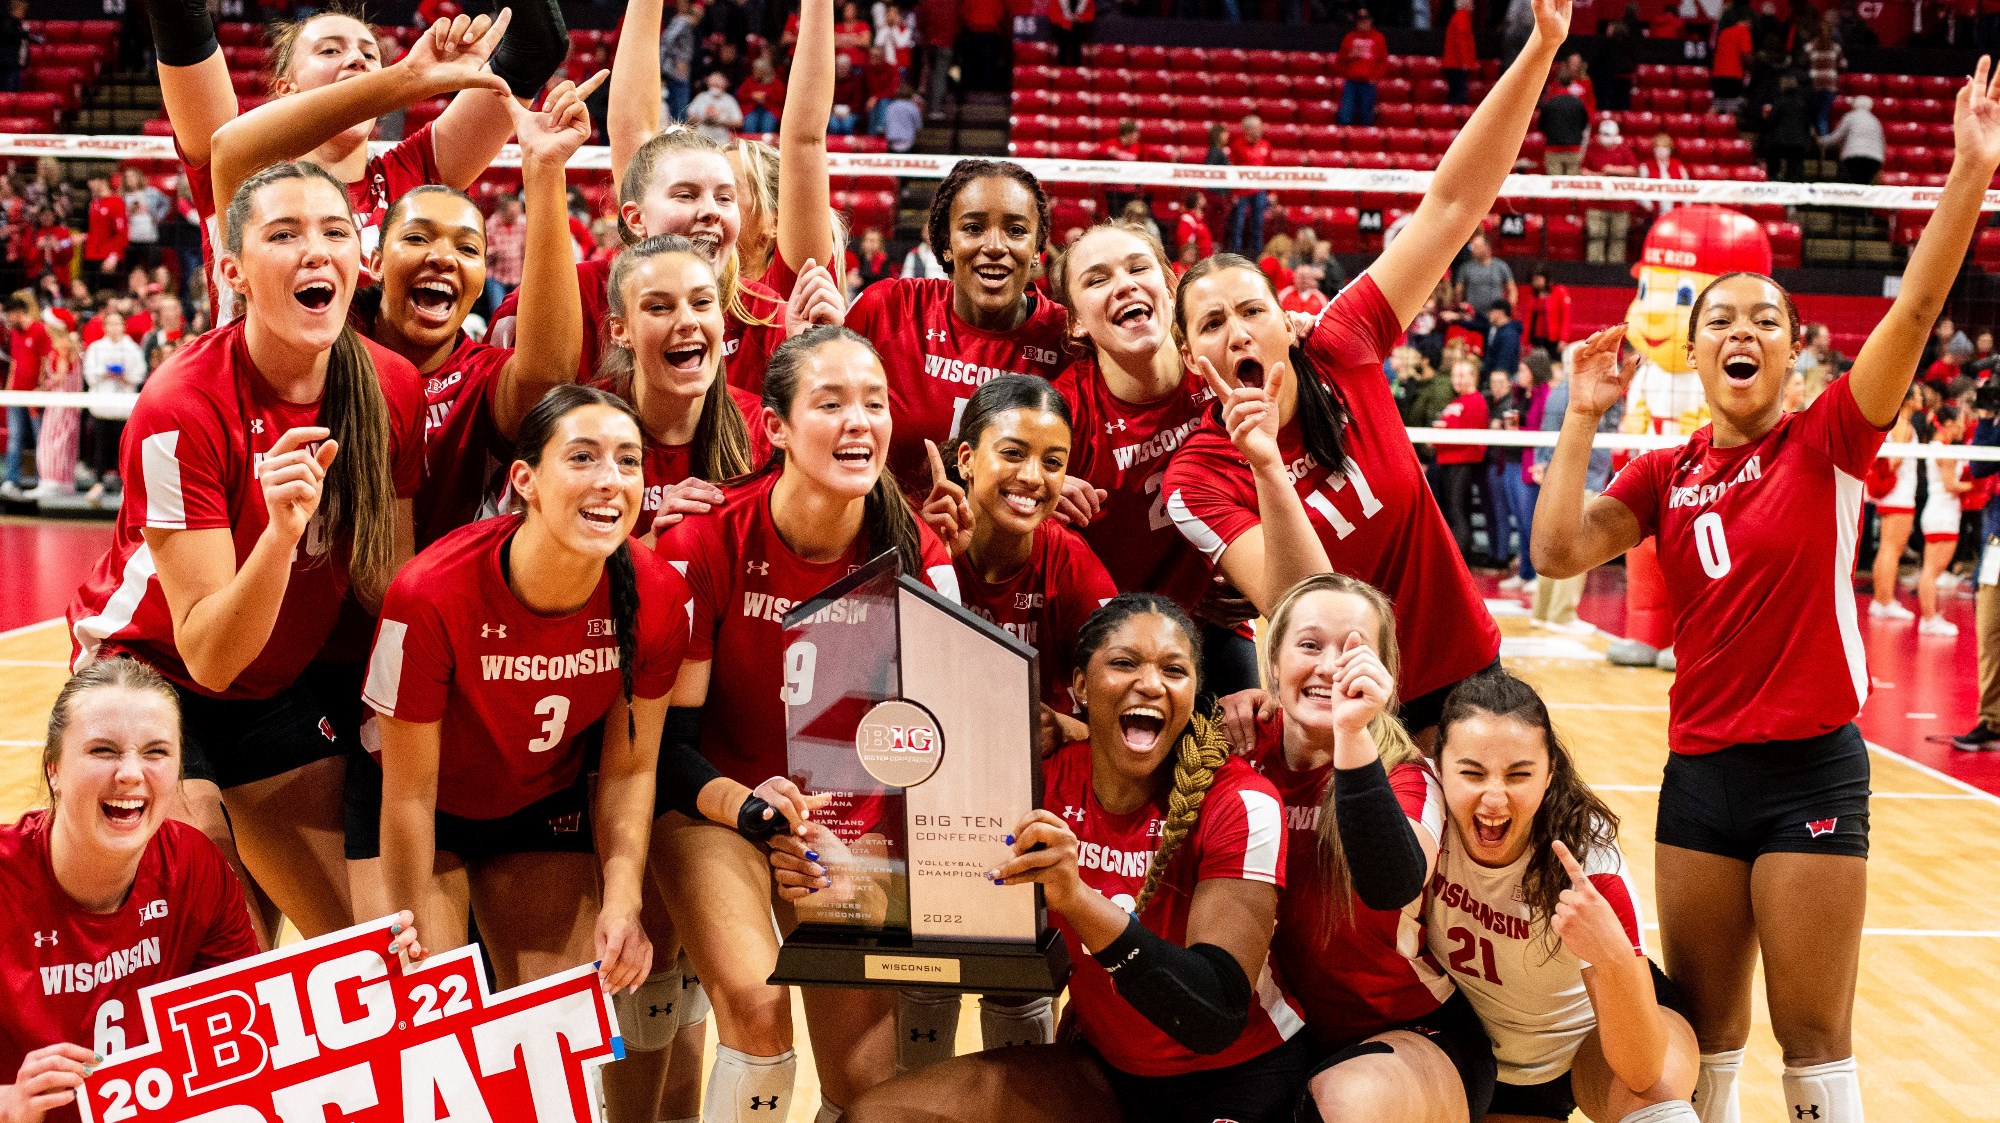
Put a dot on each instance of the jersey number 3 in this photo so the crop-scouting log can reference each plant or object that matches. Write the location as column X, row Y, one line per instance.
column 554, row 709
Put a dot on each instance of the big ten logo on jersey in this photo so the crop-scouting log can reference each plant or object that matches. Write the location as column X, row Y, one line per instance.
column 337, row 1028
column 438, row 405
column 1320, row 498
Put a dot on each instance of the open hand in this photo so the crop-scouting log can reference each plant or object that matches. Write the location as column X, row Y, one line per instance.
column 1975, row 121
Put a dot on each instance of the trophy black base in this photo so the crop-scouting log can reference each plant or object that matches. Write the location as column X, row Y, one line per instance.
column 833, row 957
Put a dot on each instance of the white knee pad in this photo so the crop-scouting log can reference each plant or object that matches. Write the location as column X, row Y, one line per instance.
column 1002, row 1026
column 747, row 1089
column 1715, row 1088
column 829, row 1112
column 1828, row 1093
column 694, row 1000
column 648, row 1018
column 1673, row 1111
column 926, row 1028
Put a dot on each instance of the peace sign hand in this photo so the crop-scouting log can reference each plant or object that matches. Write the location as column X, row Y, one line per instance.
column 1596, row 381
column 1250, row 413
column 1584, row 919
column 452, row 55
column 947, row 510
column 1975, row 122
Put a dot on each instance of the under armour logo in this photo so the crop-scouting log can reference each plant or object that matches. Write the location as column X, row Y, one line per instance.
column 937, row 335
column 492, row 631
column 1806, row 1111
column 660, row 1011
column 759, row 1103
column 257, row 426
column 42, row 938
column 761, row 569
column 1117, row 426
column 1073, row 813
column 923, row 1035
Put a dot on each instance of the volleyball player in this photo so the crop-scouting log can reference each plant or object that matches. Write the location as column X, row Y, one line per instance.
column 1371, row 512
column 432, row 266
column 1134, row 405
column 498, row 649
column 1895, row 512
column 1756, row 521
column 1030, row 575
column 942, row 338
column 822, row 506
column 1533, row 910
column 104, row 875
column 1365, row 817
column 677, row 181
column 269, row 466
column 1160, row 858
column 326, row 48
column 1940, row 519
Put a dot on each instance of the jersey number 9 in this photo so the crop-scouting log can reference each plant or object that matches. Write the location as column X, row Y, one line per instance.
column 801, row 659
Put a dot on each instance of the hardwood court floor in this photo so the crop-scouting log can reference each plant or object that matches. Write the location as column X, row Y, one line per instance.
column 1929, row 997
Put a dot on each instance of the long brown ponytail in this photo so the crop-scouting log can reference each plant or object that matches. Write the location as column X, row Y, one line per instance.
column 886, row 520
column 1392, row 742
column 359, row 498
column 721, row 447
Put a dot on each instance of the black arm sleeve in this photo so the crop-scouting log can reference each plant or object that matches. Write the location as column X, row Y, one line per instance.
column 1198, row 996
column 1385, row 862
column 183, row 32
column 682, row 771
column 534, row 48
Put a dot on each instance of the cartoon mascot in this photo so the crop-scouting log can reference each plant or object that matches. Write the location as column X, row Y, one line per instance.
column 1687, row 248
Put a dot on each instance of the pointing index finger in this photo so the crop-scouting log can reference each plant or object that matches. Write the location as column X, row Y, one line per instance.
column 1568, row 861
column 937, row 463
column 1215, row 383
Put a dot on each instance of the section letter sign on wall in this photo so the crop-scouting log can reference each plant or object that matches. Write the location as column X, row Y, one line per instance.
column 336, row 1029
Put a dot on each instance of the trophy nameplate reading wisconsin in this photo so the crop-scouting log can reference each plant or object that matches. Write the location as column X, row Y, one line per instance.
column 917, row 720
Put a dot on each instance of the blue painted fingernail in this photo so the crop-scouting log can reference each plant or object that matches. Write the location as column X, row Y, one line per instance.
column 812, row 855
column 395, row 928
column 809, row 892
column 99, row 1057
column 1009, row 840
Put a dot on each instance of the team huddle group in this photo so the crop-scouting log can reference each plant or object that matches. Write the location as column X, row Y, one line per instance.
column 1351, row 874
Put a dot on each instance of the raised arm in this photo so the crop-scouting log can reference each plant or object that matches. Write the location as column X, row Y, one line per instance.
column 475, row 126
column 450, row 56
column 1572, row 536
column 1888, row 361
column 805, row 220
column 1469, row 177
column 635, row 86
column 546, row 357
column 194, row 77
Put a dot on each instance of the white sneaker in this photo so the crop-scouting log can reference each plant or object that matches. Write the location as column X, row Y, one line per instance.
column 1894, row 610
column 1937, row 626
column 1948, row 580
column 1528, row 586
column 1511, row 583
column 1576, row 627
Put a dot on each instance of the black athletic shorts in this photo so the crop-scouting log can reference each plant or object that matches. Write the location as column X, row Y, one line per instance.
column 1260, row 1090
column 1422, row 712
column 1808, row 796
column 234, row 741
column 1554, row 1098
column 559, row 823
column 1454, row 1028
column 1228, row 661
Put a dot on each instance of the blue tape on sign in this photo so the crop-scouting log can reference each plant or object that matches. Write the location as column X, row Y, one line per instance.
column 618, row 1048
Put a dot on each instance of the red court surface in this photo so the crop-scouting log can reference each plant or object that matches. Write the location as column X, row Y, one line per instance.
column 1924, row 686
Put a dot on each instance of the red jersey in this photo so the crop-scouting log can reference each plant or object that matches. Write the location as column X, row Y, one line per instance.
column 107, row 232
column 1757, row 542
column 1358, row 981
column 1240, row 836
column 667, row 465
column 1377, row 518
column 1191, row 225
column 513, row 687
column 1467, row 411
column 746, row 346
column 1243, row 153
column 1123, row 448
column 745, row 578
column 1310, row 302
column 70, row 975
column 1364, row 55
column 28, row 348
column 465, row 455
column 1045, row 604
column 410, row 164
column 935, row 361
column 189, row 461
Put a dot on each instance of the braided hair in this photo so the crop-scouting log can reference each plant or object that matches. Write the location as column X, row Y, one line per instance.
column 1200, row 749
column 538, row 428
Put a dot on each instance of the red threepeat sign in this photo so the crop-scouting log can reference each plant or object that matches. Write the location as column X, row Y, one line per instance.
column 335, row 1031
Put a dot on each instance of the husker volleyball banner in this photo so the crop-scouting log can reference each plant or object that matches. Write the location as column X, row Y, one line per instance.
column 335, row 1028
column 1207, row 177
